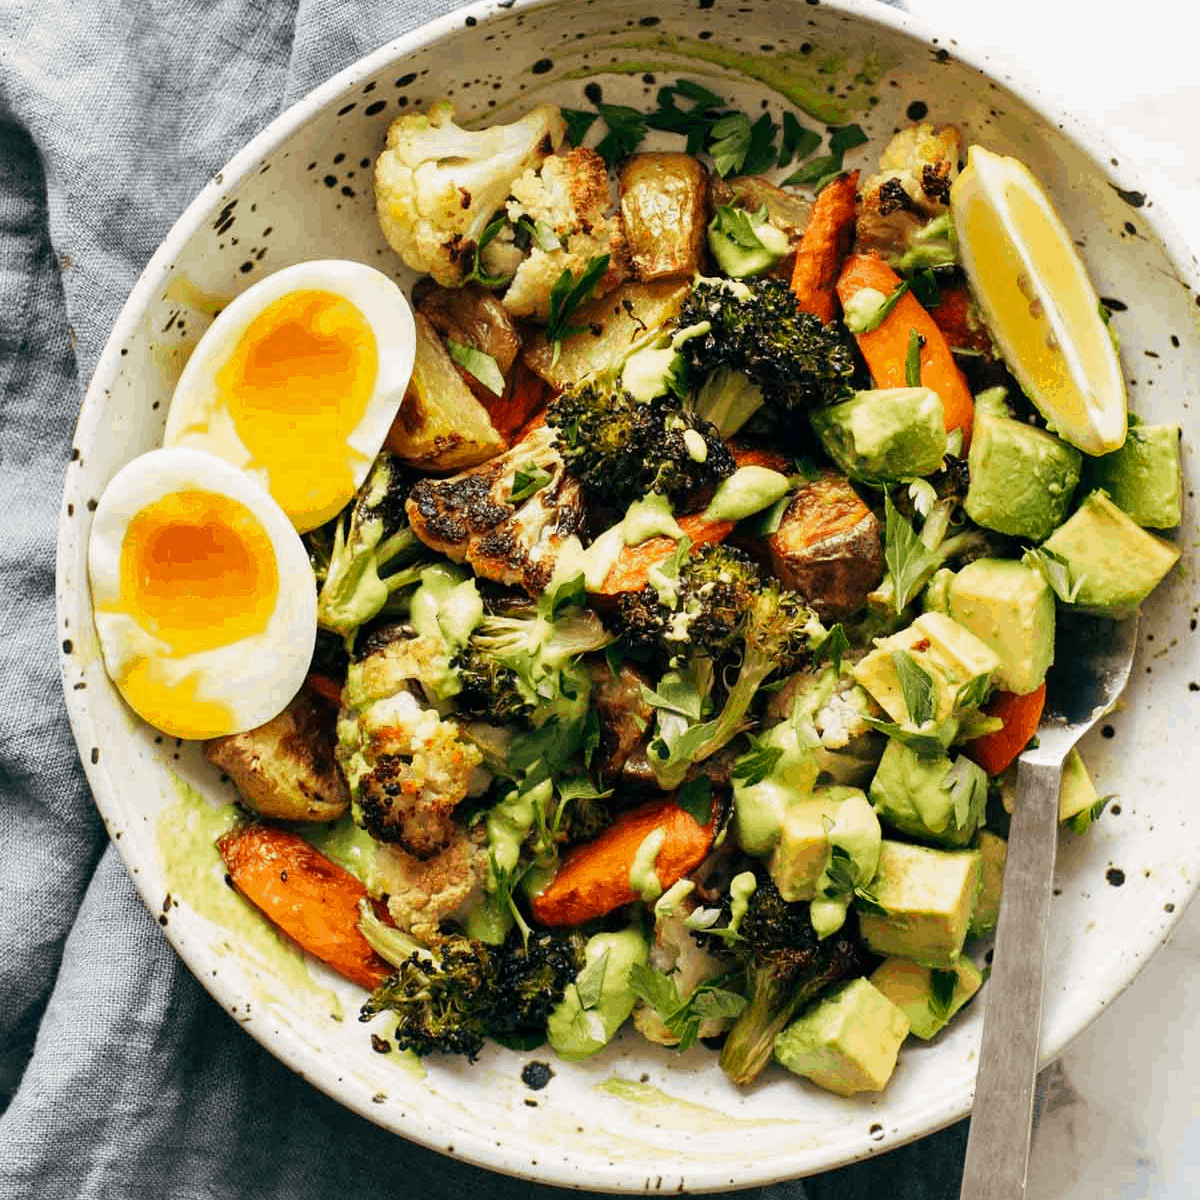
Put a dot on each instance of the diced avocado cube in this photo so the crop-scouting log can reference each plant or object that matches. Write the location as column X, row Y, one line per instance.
column 1144, row 477
column 1115, row 562
column 1022, row 478
column 928, row 998
column 993, row 852
column 951, row 654
column 1078, row 791
column 811, row 828
column 926, row 896
column 799, row 858
column 884, row 435
column 929, row 797
column 1009, row 607
column 847, row 1042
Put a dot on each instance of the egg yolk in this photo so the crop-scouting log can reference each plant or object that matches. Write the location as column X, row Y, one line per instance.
column 296, row 386
column 176, row 708
column 198, row 571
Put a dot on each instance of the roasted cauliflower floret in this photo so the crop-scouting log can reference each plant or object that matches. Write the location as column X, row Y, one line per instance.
column 422, row 893
column 567, row 199
column 438, row 185
column 676, row 952
column 911, row 188
column 407, row 767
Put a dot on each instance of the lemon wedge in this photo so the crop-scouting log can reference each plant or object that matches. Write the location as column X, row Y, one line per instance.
column 1038, row 301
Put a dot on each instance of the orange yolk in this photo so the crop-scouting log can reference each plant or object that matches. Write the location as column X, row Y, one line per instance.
column 198, row 571
column 297, row 385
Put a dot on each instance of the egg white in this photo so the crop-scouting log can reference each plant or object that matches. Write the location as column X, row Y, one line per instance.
column 199, row 419
column 253, row 677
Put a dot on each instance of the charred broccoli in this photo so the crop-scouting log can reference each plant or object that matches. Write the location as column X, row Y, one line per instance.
column 621, row 447
column 786, row 965
column 368, row 553
column 775, row 634
column 716, row 585
column 755, row 328
column 450, row 999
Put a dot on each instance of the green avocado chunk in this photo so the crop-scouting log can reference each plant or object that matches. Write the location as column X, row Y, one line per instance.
column 927, row 998
column 1022, row 478
column 1113, row 560
column 597, row 1004
column 1144, row 477
column 929, row 798
column 993, row 853
column 1010, row 608
column 926, row 896
column 847, row 1042
column 885, row 434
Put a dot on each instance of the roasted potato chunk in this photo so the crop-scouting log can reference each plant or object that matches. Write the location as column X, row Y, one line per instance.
column 285, row 768
column 785, row 210
column 609, row 327
column 828, row 546
column 472, row 317
column 664, row 208
column 440, row 425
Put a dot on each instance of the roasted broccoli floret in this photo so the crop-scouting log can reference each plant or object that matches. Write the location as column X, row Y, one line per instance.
column 371, row 552
column 756, row 328
column 437, row 185
column 700, row 612
column 451, row 998
column 621, row 447
column 776, row 633
column 786, row 965
column 489, row 690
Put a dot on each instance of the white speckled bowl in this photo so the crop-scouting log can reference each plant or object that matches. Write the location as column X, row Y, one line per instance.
column 636, row 1118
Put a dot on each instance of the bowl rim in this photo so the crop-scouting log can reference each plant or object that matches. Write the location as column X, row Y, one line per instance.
column 481, row 1150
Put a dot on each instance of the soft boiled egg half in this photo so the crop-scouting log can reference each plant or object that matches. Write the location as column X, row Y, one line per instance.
column 204, row 597
column 297, row 382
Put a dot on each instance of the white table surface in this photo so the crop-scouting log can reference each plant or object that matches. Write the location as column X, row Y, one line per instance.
column 1121, row 1118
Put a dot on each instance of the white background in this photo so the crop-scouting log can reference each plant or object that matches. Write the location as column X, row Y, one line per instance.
column 1121, row 1119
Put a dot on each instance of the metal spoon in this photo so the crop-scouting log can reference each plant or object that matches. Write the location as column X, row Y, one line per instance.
column 1093, row 656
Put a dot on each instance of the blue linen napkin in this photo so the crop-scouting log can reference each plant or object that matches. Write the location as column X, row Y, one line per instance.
column 119, row 1076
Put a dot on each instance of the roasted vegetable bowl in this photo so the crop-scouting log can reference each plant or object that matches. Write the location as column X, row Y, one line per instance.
column 678, row 618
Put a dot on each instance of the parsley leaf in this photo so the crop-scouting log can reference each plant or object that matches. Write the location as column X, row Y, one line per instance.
column 527, row 481
column 757, row 763
column 909, row 561
column 568, row 293
column 477, row 274
column 925, row 287
column 797, row 141
column 832, row 646
column 967, row 784
column 972, row 693
column 729, row 143
column 928, row 742
column 479, row 365
column 578, row 122
column 626, row 128
column 942, row 986
column 693, row 122
column 695, row 798
column 1055, row 571
column 845, row 880
column 814, row 169
column 846, row 137
column 683, row 1017
column 740, row 226
column 589, row 983
column 1081, row 822
column 912, row 360
column 916, row 686
column 819, row 171
column 540, row 233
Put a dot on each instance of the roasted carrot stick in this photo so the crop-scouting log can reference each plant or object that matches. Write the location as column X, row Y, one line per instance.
column 886, row 347
column 310, row 898
column 594, row 877
column 953, row 316
column 824, row 244
column 632, row 569
column 525, row 395
column 1020, row 714
column 323, row 686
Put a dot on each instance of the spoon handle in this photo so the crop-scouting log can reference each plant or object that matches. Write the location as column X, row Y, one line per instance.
column 997, row 1160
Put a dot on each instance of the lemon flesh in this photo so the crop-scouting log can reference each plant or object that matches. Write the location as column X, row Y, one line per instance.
column 1038, row 301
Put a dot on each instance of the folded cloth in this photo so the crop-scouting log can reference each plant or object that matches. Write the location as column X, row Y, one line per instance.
column 119, row 1076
